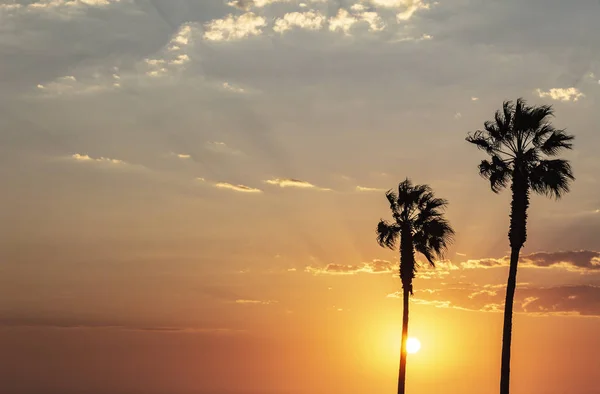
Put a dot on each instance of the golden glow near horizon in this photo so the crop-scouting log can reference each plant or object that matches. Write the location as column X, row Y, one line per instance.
column 412, row 345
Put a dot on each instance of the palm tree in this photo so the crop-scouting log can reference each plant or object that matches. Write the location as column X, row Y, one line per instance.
column 520, row 141
column 419, row 223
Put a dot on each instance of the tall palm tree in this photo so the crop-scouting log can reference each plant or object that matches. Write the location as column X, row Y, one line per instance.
column 520, row 141
column 419, row 223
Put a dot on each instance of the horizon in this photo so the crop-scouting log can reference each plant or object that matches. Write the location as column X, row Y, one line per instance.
column 191, row 191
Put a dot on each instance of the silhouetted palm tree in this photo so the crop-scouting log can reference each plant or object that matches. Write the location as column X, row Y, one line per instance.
column 520, row 141
column 419, row 223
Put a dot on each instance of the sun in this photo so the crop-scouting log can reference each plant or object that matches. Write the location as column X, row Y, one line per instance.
column 412, row 345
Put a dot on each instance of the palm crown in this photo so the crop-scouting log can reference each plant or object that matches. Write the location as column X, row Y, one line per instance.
column 519, row 141
column 420, row 225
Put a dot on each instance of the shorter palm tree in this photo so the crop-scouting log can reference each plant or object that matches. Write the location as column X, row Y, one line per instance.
column 419, row 223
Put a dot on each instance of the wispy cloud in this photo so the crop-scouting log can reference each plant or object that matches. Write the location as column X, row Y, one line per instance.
column 247, row 4
column 63, row 9
column 294, row 183
column 372, row 267
column 368, row 189
column 560, row 94
column 169, row 61
column 175, row 55
column 70, row 85
column 254, row 302
column 237, row 188
column 232, row 88
column 86, row 158
column 82, row 324
column 221, row 147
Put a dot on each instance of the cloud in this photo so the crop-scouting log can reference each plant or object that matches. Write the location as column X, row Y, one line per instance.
column 175, row 55
column 170, row 60
column 373, row 267
column 85, row 158
column 247, row 4
column 373, row 20
column 485, row 263
column 442, row 269
column 63, row 9
column 581, row 261
column 234, row 27
column 232, row 88
column 368, row 189
column 221, row 147
column 344, row 20
column 411, row 7
column 254, row 302
column 70, row 3
column 294, row 183
column 237, row 188
column 310, row 20
column 70, row 85
column 72, row 324
column 560, row 94
column 423, row 37
column 583, row 300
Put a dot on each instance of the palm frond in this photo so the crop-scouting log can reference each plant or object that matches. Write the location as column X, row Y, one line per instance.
column 497, row 172
column 542, row 133
column 387, row 234
column 433, row 237
column 557, row 141
column 420, row 193
column 520, row 115
column 538, row 115
column 405, row 190
column 506, row 116
column 393, row 200
column 482, row 141
column 551, row 177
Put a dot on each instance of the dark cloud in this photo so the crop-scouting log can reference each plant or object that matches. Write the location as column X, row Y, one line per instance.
column 582, row 259
column 578, row 260
column 581, row 300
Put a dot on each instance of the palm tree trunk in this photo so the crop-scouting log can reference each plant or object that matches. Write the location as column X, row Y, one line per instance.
column 402, row 374
column 508, row 311
column 517, row 236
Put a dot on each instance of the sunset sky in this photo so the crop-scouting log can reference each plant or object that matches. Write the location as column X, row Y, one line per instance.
column 190, row 190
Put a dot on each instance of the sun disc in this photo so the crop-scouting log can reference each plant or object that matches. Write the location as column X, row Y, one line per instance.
column 412, row 345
